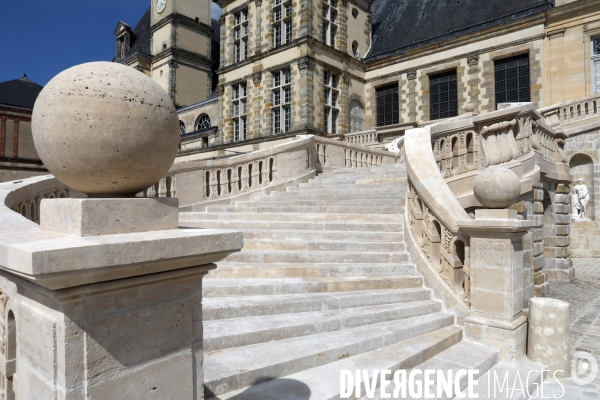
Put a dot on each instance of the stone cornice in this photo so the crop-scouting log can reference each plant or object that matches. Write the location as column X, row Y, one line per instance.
column 557, row 14
column 474, row 37
column 182, row 56
column 183, row 20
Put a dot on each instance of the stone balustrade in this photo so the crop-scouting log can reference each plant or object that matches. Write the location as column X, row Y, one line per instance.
column 198, row 183
column 363, row 137
column 28, row 194
column 572, row 113
column 442, row 161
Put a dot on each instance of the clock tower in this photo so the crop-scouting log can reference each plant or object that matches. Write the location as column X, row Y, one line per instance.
column 181, row 49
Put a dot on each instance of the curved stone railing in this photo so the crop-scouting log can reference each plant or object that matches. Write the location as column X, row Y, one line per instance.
column 443, row 160
column 24, row 197
column 198, row 183
column 572, row 114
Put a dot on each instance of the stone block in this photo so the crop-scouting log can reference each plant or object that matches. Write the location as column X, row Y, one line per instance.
column 561, row 219
column 562, row 188
column 538, row 208
column 562, row 208
column 538, row 262
column 562, row 199
column 562, row 230
column 561, row 252
column 510, row 340
column 95, row 217
column 562, row 241
column 538, row 194
column 549, row 329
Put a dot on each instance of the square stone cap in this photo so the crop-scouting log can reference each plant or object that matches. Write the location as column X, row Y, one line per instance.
column 57, row 261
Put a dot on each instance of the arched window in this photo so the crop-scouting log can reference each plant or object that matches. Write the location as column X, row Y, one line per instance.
column 182, row 127
column 203, row 122
column 357, row 116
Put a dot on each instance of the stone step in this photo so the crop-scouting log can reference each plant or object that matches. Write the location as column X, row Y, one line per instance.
column 289, row 202
column 267, row 256
column 276, row 286
column 325, row 235
column 349, row 185
column 464, row 355
column 216, row 308
column 366, row 170
column 237, row 332
column 312, row 196
column 321, row 357
column 530, row 374
column 307, row 270
column 356, row 189
column 305, row 217
column 253, row 244
column 309, row 209
column 396, row 180
column 396, row 226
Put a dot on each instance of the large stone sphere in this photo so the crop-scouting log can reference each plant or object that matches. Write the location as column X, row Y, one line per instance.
column 105, row 129
column 497, row 187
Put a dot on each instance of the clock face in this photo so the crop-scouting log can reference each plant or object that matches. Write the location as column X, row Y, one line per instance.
column 160, row 6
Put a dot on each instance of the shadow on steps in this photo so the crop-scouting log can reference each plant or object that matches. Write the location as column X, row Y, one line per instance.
column 278, row 388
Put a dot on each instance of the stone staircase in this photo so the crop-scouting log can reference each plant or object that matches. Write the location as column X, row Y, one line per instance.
column 324, row 283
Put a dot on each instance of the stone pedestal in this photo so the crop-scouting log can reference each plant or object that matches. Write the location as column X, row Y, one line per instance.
column 549, row 329
column 114, row 314
column 496, row 252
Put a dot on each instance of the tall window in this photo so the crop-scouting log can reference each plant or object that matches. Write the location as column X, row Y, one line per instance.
column 239, row 112
column 512, row 79
column 240, row 35
column 596, row 65
column 282, row 97
column 387, row 105
column 331, row 94
column 282, row 27
column 443, row 95
column 329, row 26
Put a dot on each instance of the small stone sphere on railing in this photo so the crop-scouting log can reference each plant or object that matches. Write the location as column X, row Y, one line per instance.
column 497, row 187
column 105, row 129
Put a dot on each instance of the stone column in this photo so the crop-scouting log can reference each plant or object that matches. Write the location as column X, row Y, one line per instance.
column 15, row 142
column 2, row 135
column 549, row 329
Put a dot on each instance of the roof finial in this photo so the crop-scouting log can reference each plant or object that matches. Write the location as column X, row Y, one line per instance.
column 25, row 78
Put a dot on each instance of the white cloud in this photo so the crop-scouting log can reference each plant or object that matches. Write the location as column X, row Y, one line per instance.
column 215, row 11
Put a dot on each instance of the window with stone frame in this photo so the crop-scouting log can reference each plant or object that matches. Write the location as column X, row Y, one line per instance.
column 282, row 98
column 512, row 79
column 239, row 112
column 330, row 13
column 240, row 35
column 387, row 105
column 596, row 65
column 443, row 95
column 330, row 95
column 282, row 22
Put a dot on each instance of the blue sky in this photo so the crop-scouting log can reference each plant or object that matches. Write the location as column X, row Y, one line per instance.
column 43, row 37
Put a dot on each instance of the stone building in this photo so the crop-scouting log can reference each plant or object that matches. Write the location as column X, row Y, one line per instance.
column 18, row 157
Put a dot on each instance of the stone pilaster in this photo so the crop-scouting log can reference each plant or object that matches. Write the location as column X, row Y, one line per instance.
column 306, row 82
column 257, row 33
column 255, row 115
column 341, row 36
column 411, row 76
column 2, row 135
column 344, row 117
column 223, row 41
column 221, row 114
column 473, row 91
column 563, row 265
column 267, row 103
column 268, row 33
column 15, row 142
column 540, row 284
column 227, row 114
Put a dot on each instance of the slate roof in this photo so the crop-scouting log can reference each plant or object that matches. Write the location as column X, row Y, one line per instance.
column 141, row 31
column 403, row 25
column 19, row 92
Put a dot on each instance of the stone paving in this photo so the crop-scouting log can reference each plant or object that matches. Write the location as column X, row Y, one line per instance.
column 584, row 295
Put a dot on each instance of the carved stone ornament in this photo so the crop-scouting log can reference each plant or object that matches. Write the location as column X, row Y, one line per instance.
column 222, row 20
column 256, row 78
column 221, row 90
column 411, row 75
column 473, row 60
column 346, row 78
column 306, row 62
